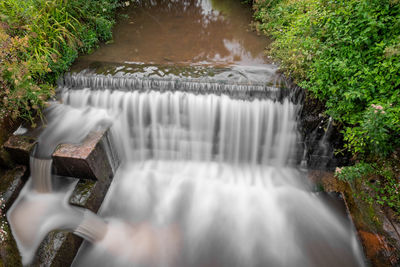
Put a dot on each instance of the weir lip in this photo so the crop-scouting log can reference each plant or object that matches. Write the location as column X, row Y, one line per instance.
column 239, row 84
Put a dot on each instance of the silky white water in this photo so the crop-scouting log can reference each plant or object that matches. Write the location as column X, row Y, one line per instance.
column 184, row 126
column 42, row 205
column 205, row 180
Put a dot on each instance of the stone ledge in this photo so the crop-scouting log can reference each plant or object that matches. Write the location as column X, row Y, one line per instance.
column 87, row 160
column 11, row 183
column 89, row 194
column 19, row 147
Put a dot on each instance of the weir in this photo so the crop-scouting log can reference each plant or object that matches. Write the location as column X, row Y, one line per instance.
column 235, row 87
column 205, row 180
column 181, row 125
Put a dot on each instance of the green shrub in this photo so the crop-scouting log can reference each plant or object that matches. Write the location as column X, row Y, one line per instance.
column 358, row 171
column 375, row 131
column 39, row 41
column 379, row 178
column 386, row 192
column 20, row 96
column 347, row 53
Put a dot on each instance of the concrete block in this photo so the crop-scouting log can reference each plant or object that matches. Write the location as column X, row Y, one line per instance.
column 88, row 160
column 89, row 194
column 20, row 147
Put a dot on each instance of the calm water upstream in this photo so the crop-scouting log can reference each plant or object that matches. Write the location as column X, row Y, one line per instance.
column 207, row 135
column 185, row 32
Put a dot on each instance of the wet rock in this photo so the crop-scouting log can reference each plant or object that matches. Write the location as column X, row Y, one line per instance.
column 374, row 229
column 88, row 160
column 19, row 147
column 9, row 254
column 377, row 249
column 7, row 127
column 393, row 229
column 89, row 194
column 321, row 137
column 326, row 180
column 11, row 183
column 60, row 247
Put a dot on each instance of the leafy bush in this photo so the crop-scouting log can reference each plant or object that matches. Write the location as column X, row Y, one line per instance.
column 358, row 171
column 386, row 192
column 379, row 178
column 20, row 96
column 348, row 54
column 375, row 131
column 39, row 40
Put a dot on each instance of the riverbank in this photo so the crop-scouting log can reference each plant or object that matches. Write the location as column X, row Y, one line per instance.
column 346, row 55
column 39, row 41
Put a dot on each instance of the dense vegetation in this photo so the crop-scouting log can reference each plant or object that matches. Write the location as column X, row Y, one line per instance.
column 347, row 54
column 39, row 39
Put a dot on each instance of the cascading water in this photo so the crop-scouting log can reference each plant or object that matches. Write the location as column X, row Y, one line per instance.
column 206, row 181
column 42, row 206
column 185, row 126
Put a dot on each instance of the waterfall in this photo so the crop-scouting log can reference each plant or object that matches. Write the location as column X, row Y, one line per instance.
column 91, row 227
column 41, row 169
column 207, row 178
column 178, row 125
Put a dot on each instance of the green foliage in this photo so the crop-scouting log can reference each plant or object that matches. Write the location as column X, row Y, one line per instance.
column 358, row 171
column 20, row 96
column 375, row 131
column 347, row 53
column 292, row 25
column 386, row 192
column 379, row 179
column 39, row 40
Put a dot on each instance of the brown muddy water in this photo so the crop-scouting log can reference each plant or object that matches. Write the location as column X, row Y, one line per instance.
column 214, row 32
